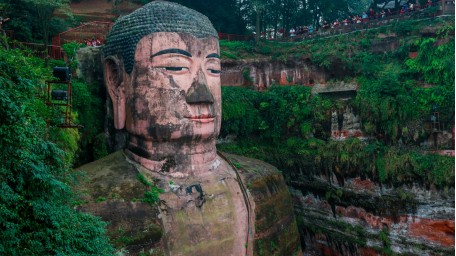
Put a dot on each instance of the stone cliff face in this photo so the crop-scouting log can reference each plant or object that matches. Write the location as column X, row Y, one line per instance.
column 363, row 218
column 263, row 73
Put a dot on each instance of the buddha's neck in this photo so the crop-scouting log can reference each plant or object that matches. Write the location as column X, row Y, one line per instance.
column 174, row 158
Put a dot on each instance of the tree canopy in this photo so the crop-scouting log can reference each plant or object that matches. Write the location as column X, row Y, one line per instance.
column 36, row 20
column 247, row 16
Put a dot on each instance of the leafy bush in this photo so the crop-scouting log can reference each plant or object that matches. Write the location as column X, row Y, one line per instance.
column 153, row 195
column 434, row 64
column 407, row 167
column 275, row 125
column 385, row 104
column 236, row 46
column 405, row 27
column 70, row 50
column 35, row 215
column 239, row 115
column 235, row 49
column 88, row 102
column 228, row 55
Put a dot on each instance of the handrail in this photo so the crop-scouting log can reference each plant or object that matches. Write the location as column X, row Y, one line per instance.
column 369, row 22
column 366, row 23
column 52, row 51
column 58, row 39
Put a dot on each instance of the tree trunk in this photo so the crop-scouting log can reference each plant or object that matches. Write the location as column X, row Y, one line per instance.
column 257, row 25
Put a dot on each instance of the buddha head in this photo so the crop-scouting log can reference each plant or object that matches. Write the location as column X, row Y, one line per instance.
column 162, row 72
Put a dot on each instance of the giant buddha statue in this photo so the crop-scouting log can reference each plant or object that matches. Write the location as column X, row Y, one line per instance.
column 169, row 191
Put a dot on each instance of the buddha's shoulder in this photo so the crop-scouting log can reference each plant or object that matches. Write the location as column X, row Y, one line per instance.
column 110, row 175
column 111, row 189
column 250, row 166
column 254, row 171
column 273, row 207
column 113, row 163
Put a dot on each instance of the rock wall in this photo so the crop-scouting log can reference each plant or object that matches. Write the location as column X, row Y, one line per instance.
column 91, row 71
column 262, row 73
column 345, row 124
column 89, row 65
column 363, row 218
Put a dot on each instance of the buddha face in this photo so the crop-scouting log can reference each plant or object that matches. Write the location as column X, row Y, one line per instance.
column 173, row 92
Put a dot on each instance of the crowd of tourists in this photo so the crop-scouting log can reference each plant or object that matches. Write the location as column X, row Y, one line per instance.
column 356, row 19
column 92, row 42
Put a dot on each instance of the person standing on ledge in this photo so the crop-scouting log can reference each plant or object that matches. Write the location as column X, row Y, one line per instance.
column 162, row 72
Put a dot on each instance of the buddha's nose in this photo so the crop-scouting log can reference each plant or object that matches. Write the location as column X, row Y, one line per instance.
column 199, row 91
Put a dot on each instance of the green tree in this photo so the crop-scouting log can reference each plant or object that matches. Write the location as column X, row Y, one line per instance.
column 36, row 20
column 382, row 4
column 36, row 216
column 259, row 7
column 358, row 6
column 45, row 11
column 225, row 15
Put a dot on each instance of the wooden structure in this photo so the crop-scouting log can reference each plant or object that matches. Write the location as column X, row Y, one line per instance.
column 59, row 95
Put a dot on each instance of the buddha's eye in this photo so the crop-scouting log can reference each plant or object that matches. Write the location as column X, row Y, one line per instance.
column 214, row 71
column 176, row 68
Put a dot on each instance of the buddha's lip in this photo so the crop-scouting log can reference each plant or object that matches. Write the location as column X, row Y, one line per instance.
column 202, row 118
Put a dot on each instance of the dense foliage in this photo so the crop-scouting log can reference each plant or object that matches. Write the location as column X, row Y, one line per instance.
column 276, row 126
column 238, row 17
column 35, row 212
column 288, row 127
column 88, row 111
column 36, row 20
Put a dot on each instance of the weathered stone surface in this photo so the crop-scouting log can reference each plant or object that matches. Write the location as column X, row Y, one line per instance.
column 109, row 188
column 335, row 87
column 163, row 78
column 276, row 232
column 345, row 124
column 89, row 65
column 262, row 73
column 193, row 223
column 363, row 219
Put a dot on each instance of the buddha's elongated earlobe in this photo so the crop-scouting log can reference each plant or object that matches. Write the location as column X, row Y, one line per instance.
column 113, row 73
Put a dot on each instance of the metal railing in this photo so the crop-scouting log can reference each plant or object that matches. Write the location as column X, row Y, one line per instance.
column 373, row 22
column 87, row 31
column 425, row 11
column 40, row 50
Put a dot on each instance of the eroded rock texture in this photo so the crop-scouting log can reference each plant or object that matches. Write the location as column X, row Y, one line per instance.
column 263, row 73
column 198, row 215
column 362, row 218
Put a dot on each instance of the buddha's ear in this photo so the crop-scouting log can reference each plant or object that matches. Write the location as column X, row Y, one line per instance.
column 114, row 79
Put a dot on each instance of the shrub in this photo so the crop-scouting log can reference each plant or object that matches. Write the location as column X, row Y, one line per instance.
column 35, row 215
